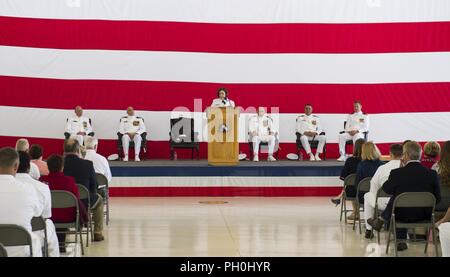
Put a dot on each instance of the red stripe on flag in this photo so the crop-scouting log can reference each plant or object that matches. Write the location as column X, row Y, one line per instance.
column 226, row 38
column 165, row 96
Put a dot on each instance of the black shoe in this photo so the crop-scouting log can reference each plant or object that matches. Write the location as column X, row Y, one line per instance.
column 417, row 238
column 62, row 250
column 376, row 223
column 369, row 234
column 401, row 246
column 336, row 201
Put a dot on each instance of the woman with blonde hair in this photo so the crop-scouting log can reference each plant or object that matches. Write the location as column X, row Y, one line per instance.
column 431, row 151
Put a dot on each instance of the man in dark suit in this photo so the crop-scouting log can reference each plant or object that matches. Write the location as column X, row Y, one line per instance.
column 411, row 177
column 84, row 174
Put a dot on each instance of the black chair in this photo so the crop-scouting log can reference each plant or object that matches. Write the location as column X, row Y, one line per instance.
column 313, row 143
column 91, row 134
column 182, row 136
column 350, row 142
column 143, row 151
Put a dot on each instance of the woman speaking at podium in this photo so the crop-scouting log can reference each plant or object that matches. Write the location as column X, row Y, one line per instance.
column 222, row 99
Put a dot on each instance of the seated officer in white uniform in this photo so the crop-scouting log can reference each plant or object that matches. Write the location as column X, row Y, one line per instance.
column 357, row 124
column 222, row 99
column 18, row 202
column 101, row 164
column 78, row 126
column 44, row 197
column 309, row 127
column 262, row 129
column 131, row 127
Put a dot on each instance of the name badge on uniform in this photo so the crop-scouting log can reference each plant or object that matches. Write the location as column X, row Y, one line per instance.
column 314, row 122
column 85, row 124
column 265, row 123
column 361, row 120
column 136, row 123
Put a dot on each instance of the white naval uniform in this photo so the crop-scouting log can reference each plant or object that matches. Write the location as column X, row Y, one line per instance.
column 44, row 197
column 310, row 123
column 219, row 103
column 262, row 125
column 101, row 164
column 18, row 205
column 355, row 122
column 377, row 181
column 76, row 125
column 134, row 125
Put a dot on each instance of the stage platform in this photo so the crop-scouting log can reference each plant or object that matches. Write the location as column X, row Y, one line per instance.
column 197, row 178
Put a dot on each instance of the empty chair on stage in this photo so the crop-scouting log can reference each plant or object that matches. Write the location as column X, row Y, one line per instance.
column 132, row 132
column 78, row 126
column 182, row 135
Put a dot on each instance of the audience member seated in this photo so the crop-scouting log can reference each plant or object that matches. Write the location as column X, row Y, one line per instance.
column 84, row 174
column 44, row 197
column 18, row 202
column 350, row 166
column 443, row 170
column 101, row 164
column 412, row 177
column 23, row 145
column 56, row 180
column 36, row 154
column 430, row 154
column 370, row 161
column 381, row 175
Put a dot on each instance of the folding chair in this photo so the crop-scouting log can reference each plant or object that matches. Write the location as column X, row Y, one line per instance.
column 363, row 187
column 84, row 196
column 182, row 135
column 380, row 193
column 62, row 199
column 413, row 200
column 38, row 224
column 3, row 253
column 314, row 144
column 103, row 186
column 348, row 181
column 15, row 235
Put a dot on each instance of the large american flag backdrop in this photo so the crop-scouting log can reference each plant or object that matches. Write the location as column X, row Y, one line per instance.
column 156, row 55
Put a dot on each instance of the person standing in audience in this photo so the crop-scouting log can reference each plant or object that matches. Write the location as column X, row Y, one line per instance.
column 443, row 169
column 101, row 164
column 430, row 154
column 309, row 128
column 84, row 174
column 355, row 127
column 44, row 197
column 222, row 99
column 370, row 161
column 350, row 166
column 412, row 177
column 23, row 145
column 78, row 126
column 56, row 180
column 131, row 128
column 18, row 202
column 262, row 129
column 36, row 153
column 378, row 179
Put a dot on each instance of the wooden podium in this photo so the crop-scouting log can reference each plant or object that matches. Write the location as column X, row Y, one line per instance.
column 223, row 144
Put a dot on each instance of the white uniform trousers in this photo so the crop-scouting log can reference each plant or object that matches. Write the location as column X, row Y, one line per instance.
column 52, row 239
column 80, row 138
column 305, row 143
column 369, row 206
column 270, row 139
column 126, row 144
column 343, row 138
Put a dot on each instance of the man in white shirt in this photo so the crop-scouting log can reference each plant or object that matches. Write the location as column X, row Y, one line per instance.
column 262, row 129
column 309, row 128
column 377, row 181
column 131, row 128
column 222, row 99
column 24, row 146
column 101, row 164
column 45, row 199
column 18, row 202
column 356, row 125
column 78, row 126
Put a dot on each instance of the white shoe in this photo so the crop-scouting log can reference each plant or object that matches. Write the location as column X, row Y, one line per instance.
column 125, row 159
column 271, row 159
column 255, row 158
column 136, row 159
column 311, row 157
column 341, row 158
column 317, row 157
